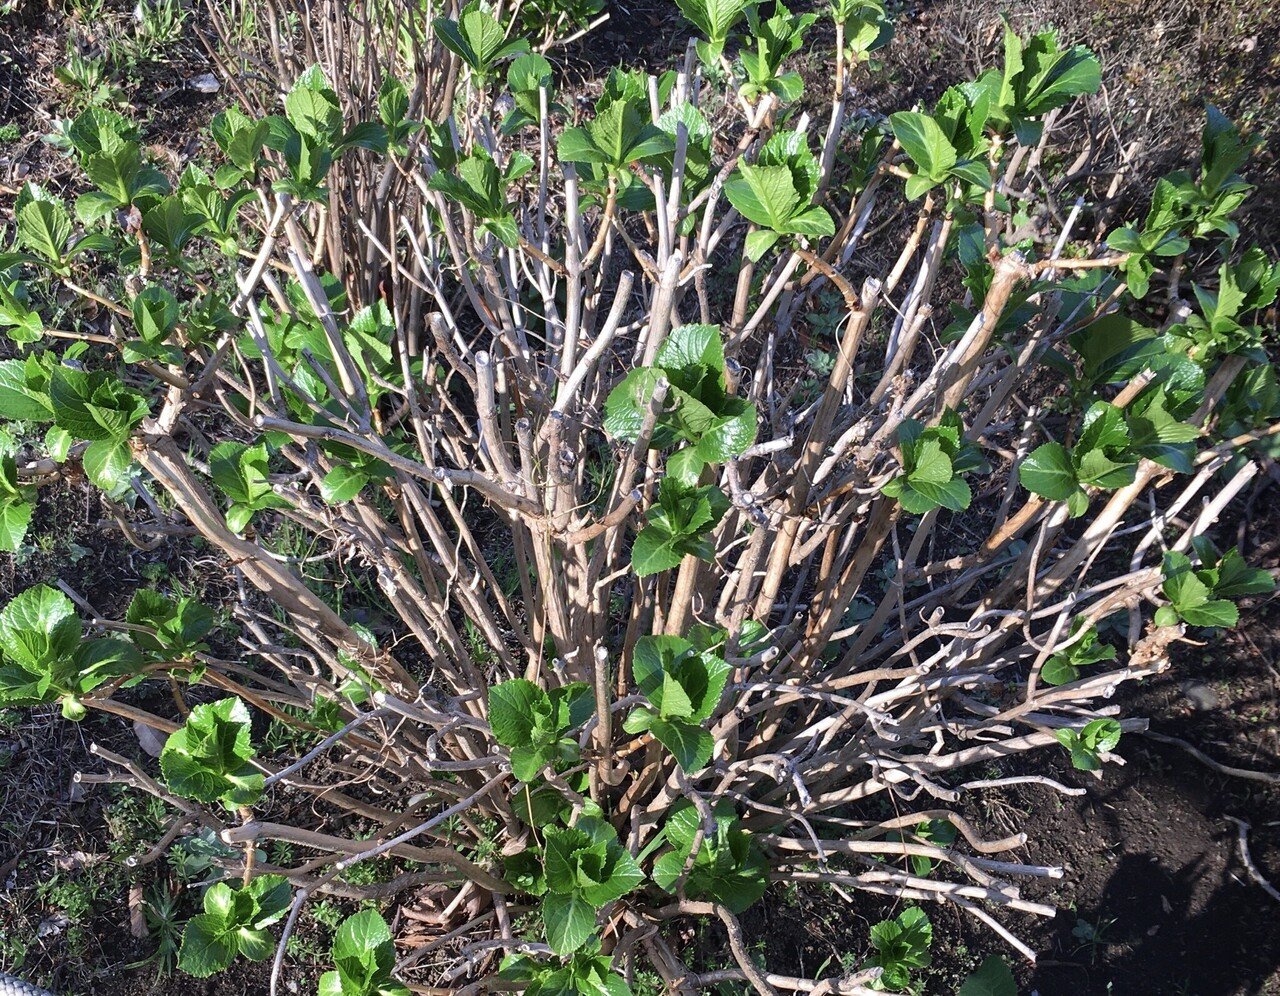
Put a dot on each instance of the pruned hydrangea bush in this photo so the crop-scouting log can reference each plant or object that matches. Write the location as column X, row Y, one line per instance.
column 739, row 487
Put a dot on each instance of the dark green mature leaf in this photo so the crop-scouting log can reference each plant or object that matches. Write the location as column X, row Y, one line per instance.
column 24, row 395
column 715, row 19
column 478, row 39
column 1158, row 435
column 94, row 406
column 690, row 745
column 569, row 920
column 925, row 142
column 43, row 225
column 992, row 978
column 1048, row 472
column 98, row 129
column 1237, row 579
column 17, row 502
column 513, row 711
column 1115, row 349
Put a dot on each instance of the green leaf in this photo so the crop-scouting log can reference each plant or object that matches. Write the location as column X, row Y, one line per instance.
column 728, row 868
column 1085, row 745
column 902, row 945
column 364, row 956
column 577, row 146
column 330, row 984
column 512, row 711
column 15, row 516
column 1223, row 151
column 731, row 435
column 1058, row 670
column 524, row 871
column 933, row 457
column 1101, row 734
column 206, row 948
column 992, row 978
column 241, row 473
column 715, row 19
column 1212, row 613
column 39, row 629
column 692, row 346
column 925, row 142
column 759, row 242
column 678, row 526
column 94, row 406
column 654, row 551
column 571, row 705
column 764, row 194
column 625, row 408
column 106, row 463
column 1236, row 578
column 179, row 626
column 569, row 920
column 43, row 225
column 207, row 759
column 121, row 175
column 312, row 107
column 477, row 38
column 1048, row 472
column 342, row 484
column 19, row 399
column 155, row 313
column 527, row 763
column 98, row 129
column 691, row 745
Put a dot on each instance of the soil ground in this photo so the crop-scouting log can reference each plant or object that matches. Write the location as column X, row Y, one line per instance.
column 1155, row 897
